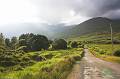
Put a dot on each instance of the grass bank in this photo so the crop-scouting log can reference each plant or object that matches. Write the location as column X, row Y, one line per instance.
column 104, row 52
column 56, row 65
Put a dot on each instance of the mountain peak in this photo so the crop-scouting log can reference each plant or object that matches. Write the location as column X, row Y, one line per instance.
column 97, row 24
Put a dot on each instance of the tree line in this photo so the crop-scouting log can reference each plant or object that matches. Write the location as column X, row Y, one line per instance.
column 32, row 42
column 26, row 42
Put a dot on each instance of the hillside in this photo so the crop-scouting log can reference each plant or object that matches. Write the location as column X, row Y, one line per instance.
column 98, row 24
column 102, row 38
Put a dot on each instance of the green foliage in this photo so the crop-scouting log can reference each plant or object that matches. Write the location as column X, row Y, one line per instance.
column 7, row 42
column 59, row 44
column 104, row 51
column 69, row 42
column 117, row 53
column 14, row 42
column 97, row 38
column 2, row 40
column 57, row 65
column 74, row 44
column 15, row 63
column 33, row 42
column 40, row 42
column 50, row 41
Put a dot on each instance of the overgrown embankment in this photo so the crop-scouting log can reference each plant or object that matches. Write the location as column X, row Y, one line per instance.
column 54, row 65
column 104, row 51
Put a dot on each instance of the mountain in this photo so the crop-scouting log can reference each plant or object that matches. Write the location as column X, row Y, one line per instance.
column 98, row 24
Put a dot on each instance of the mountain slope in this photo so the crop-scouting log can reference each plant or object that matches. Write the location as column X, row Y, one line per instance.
column 98, row 24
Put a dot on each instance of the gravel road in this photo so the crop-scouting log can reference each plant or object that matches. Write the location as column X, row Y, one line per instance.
column 91, row 67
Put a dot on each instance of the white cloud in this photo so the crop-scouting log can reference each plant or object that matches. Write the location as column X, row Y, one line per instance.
column 51, row 12
column 57, row 11
column 16, row 11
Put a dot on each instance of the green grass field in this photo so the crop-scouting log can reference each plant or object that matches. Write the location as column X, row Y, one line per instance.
column 104, row 51
column 100, row 44
column 56, row 65
column 99, row 38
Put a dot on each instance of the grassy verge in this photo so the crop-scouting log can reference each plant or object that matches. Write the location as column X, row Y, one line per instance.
column 104, row 52
column 57, row 65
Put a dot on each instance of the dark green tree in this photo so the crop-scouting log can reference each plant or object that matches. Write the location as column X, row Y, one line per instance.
column 59, row 44
column 14, row 42
column 50, row 41
column 40, row 42
column 26, row 40
column 33, row 42
column 7, row 42
column 2, row 40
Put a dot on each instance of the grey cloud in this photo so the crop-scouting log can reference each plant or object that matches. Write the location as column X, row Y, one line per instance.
column 93, row 8
column 55, row 10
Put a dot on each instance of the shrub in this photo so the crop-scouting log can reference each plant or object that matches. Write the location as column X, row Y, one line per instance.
column 59, row 44
column 49, row 56
column 36, row 57
column 74, row 44
column 8, row 63
column 69, row 42
column 117, row 53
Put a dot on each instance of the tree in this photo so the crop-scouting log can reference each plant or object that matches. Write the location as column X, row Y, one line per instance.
column 33, row 42
column 50, row 41
column 14, row 42
column 2, row 40
column 7, row 42
column 26, row 40
column 74, row 44
column 40, row 42
column 59, row 44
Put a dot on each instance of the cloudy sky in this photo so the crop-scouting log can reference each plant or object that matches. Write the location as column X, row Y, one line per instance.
column 13, row 13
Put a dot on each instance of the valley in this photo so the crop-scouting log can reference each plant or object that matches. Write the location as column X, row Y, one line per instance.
column 82, row 51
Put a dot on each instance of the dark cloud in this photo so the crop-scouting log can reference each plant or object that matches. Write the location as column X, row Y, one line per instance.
column 93, row 8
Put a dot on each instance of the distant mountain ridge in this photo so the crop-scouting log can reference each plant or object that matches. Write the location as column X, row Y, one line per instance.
column 98, row 24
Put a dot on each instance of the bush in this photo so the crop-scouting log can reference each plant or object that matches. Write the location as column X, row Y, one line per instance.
column 74, row 44
column 59, row 44
column 117, row 53
column 69, row 42
column 49, row 56
column 36, row 57
column 7, row 63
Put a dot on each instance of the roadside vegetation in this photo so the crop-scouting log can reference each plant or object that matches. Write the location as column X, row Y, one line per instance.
column 47, row 65
column 100, row 45
column 105, row 52
column 33, row 56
